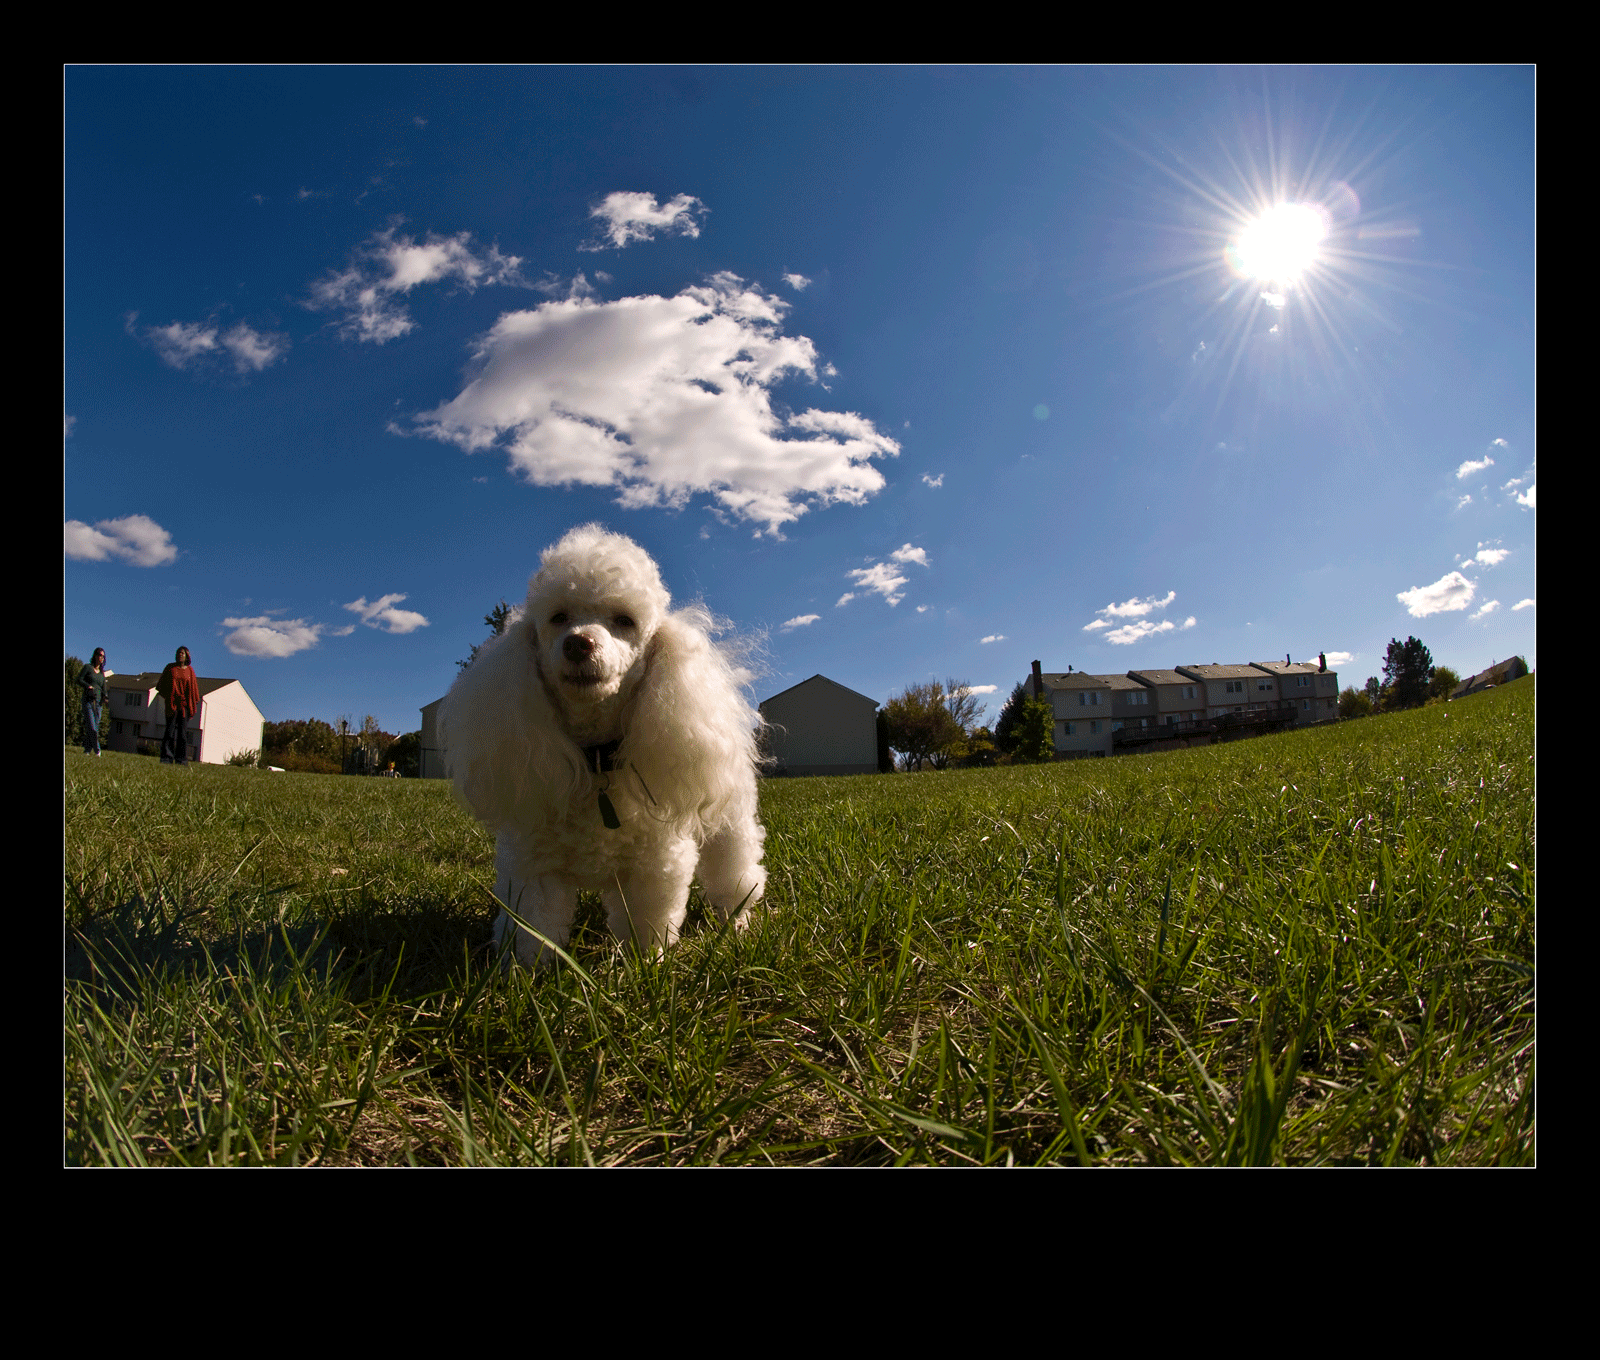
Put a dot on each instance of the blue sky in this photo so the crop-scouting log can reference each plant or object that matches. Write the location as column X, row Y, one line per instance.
column 923, row 373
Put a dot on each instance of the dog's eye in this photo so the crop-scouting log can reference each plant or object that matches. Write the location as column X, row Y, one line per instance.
column 558, row 619
column 622, row 621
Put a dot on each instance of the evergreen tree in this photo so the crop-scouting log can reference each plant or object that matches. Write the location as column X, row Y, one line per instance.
column 497, row 620
column 1407, row 672
column 1035, row 731
column 1005, row 727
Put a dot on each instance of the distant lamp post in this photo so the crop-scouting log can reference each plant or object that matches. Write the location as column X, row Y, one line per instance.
column 344, row 750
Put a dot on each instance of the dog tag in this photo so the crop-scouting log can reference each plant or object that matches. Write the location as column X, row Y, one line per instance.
column 608, row 814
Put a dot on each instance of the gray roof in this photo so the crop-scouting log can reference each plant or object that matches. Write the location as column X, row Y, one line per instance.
column 1217, row 672
column 1162, row 677
column 149, row 680
column 1071, row 680
column 1287, row 667
column 855, row 694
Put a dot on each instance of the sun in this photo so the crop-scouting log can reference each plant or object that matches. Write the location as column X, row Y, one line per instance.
column 1281, row 244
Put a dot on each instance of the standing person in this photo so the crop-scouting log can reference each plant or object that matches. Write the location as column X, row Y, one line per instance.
column 92, row 678
column 181, row 691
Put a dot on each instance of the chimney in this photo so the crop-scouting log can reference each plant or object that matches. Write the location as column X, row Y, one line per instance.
column 1286, row 660
column 1038, row 682
column 1322, row 662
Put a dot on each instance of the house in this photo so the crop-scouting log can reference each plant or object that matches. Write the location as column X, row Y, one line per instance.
column 430, row 756
column 228, row 721
column 820, row 727
column 1081, row 704
column 1101, row 715
column 1313, row 690
column 1501, row 673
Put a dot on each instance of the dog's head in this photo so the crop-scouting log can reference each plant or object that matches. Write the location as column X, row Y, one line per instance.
column 592, row 608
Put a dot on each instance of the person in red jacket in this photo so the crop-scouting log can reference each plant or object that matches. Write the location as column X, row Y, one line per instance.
column 181, row 692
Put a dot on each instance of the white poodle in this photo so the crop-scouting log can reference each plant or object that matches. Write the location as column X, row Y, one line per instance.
column 609, row 745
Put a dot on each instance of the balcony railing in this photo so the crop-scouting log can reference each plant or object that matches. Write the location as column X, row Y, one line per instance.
column 1265, row 719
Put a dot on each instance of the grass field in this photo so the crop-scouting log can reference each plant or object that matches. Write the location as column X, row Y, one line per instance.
column 1309, row 948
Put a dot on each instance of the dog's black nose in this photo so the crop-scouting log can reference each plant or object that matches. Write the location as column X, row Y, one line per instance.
column 577, row 647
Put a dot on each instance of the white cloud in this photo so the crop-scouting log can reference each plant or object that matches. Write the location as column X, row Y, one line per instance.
column 1469, row 467
column 799, row 282
column 935, row 482
column 1138, row 629
column 382, row 614
column 906, row 553
column 1500, row 443
column 923, row 608
column 1135, row 609
column 133, row 538
column 993, row 637
column 67, row 422
column 1489, row 606
column 1450, row 592
column 662, row 398
column 629, row 217
column 1490, row 557
column 1465, row 500
column 370, row 290
column 883, row 579
column 188, row 344
column 1277, row 301
column 982, row 689
column 1336, row 659
column 1523, row 604
column 268, row 637
column 800, row 621
column 1529, row 498
column 844, row 599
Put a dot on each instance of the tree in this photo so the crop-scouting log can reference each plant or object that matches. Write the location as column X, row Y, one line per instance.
column 497, row 620
column 1372, row 690
column 920, row 723
column 1035, row 731
column 1353, row 703
column 1407, row 672
column 1444, row 682
column 1005, row 726
column 74, row 718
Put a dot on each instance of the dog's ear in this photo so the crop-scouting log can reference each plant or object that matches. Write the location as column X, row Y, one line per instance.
column 502, row 745
column 690, row 732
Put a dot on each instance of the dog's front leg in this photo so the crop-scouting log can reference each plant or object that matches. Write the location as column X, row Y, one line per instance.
column 650, row 899
column 543, row 902
column 730, row 871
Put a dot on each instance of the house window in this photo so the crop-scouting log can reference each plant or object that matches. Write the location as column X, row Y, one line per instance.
column 1094, row 725
column 1235, row 687
column 1072, row 729
column 1088, row 698
column 132, row 700
column 1188, row 691
column 1264, row 686
column 1301, row 681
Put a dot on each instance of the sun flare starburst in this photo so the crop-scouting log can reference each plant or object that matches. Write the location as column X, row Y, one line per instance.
column 1281, row 244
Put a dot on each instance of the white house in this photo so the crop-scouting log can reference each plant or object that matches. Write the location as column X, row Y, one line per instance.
column 228, row 721
column 820, row 727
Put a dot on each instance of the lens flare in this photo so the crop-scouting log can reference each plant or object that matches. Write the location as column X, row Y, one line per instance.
column 1281, row 244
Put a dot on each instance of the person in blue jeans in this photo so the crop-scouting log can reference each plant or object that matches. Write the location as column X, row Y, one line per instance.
column 92, row 679
column 181, row 691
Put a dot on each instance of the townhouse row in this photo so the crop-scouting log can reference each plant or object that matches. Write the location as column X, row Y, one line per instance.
column 1096, row 715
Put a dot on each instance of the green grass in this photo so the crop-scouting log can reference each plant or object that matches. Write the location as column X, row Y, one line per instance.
column 1309, row 948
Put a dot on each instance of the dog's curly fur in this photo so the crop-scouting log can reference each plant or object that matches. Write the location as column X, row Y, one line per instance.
column 598, row 658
